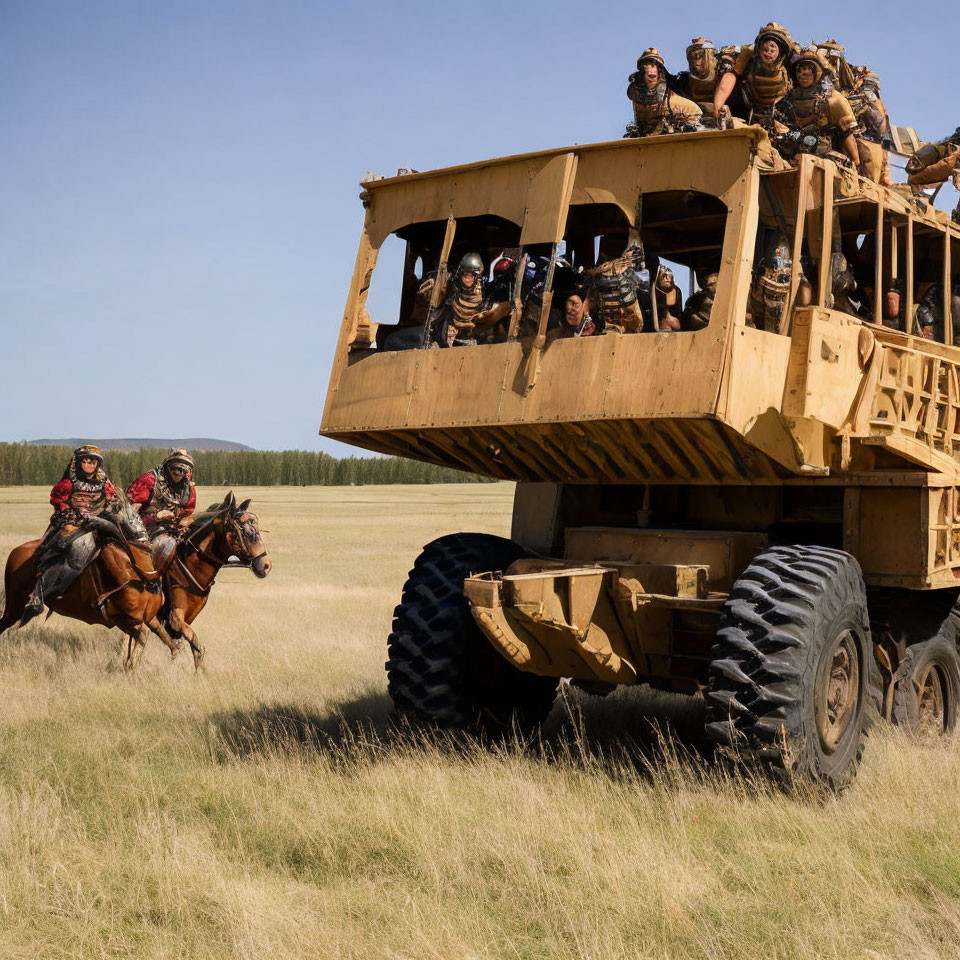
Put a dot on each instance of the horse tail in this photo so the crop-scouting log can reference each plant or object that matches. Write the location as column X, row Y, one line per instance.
column 18, row 579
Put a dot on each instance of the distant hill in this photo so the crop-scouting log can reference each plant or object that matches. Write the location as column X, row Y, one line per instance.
column 136, row 443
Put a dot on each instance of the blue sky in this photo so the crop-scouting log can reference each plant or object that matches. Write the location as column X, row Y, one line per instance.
column 178, row 190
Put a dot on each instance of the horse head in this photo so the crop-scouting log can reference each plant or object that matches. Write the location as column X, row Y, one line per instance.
column 240, row 530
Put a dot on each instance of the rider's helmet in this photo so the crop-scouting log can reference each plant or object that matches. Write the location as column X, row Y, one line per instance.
column 88, row 450
column 180, row 457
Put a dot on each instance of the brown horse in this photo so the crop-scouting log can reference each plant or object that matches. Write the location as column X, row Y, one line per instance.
column 224, row 531
column 119, row 588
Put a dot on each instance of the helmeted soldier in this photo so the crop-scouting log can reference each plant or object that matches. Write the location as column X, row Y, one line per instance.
column 84, row 491
column 763, row 75
column 864, row 99
column 613, row 292
column 935, row 162
column 656, row 108
column 772, row 271
column 165, row 497
column 464, row 295
column 705, row 66
column 835, row 54
column 823, row 117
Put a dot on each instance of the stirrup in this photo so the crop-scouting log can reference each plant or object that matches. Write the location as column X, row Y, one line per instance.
column 34, row 606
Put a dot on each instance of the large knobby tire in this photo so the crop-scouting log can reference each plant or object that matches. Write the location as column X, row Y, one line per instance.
column 441, row 669
column 927, row 695
column 794, row 682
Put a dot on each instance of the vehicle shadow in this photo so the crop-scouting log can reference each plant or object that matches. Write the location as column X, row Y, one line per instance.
column 636, row 731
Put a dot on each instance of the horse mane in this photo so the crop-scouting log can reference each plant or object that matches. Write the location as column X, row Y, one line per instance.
column 203, row 519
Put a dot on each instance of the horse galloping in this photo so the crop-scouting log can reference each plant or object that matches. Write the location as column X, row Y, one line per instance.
column 212, row 539
column 119, row 587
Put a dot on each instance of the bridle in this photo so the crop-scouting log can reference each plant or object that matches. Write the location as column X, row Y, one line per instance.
column 240, row 529
column 243, row 528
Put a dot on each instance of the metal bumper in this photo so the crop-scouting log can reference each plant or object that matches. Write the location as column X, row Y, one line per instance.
column 599, row 623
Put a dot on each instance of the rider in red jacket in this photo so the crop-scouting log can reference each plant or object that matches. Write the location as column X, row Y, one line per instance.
column 165, row 497
column 84, row 491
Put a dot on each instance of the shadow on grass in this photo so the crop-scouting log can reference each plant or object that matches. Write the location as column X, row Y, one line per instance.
column 632, row 732
column 58, row 641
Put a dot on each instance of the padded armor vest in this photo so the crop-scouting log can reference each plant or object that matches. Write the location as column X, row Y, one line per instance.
column 88, row 498
column 870, row 113
column 764, row 86
column 702, row 89
column 811, row 107
column 164, row 497
column 651, row 112
column 465, row 302
column 615, row 298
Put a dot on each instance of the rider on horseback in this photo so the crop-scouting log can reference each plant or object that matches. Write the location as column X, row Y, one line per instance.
column 84, row 491
column 165, row 498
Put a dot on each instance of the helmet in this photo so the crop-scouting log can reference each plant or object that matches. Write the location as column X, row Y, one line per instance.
column 503, row 266
column 706, row 47
column 779, row 35
column 177, row 455
column 471, row 263
column 88, row 450
column 652, row 55
column 831, row 49
column 812, row 57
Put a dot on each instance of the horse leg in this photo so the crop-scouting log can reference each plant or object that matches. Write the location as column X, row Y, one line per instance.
column 136, row 642
column 161, row 631
column 179, row 624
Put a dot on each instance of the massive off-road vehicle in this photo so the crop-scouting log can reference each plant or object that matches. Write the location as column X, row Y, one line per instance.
column 765, row 518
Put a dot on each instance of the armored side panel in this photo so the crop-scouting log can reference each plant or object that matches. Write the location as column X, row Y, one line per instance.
column 824, row 426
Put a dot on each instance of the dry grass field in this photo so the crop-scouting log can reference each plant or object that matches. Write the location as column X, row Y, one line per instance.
column 266, row 808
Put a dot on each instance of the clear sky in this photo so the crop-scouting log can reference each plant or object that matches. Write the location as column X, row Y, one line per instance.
column 178, row 180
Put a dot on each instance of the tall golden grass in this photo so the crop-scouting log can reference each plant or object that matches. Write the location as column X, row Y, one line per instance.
column 267, row 809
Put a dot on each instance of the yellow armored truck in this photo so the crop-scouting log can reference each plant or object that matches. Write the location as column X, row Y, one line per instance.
column 761, row 511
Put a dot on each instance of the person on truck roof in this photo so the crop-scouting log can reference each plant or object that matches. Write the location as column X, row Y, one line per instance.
column 823, row 116
column 705, row 66
column 656, row 108
column 935, row 162
column 764, row 79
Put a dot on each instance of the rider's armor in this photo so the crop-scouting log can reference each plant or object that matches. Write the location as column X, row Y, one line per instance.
column 157, row 491
column 66, row 548
column 76, row 496
column 166, row 496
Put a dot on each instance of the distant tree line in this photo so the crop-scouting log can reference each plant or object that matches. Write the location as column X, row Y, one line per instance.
column 27, row 464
